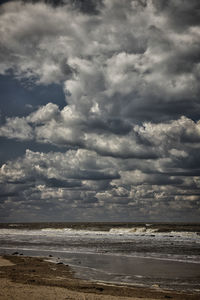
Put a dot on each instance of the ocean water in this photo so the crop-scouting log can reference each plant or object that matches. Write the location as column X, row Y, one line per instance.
column 150, row 255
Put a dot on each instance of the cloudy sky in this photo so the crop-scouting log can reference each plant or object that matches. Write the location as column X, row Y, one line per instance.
column 100, row 110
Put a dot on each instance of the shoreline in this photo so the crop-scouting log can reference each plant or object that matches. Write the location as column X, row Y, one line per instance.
column 31, row 277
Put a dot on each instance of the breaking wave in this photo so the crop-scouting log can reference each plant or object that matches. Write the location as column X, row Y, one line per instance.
column 133, row 230
column 113, row 231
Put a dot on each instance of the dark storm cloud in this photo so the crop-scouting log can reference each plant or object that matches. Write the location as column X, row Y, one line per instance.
column 180, row 14
column 53, row 182
column 126, row 141
column 9, row 194
column 85, row 6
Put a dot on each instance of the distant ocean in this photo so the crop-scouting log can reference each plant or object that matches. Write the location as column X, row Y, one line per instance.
column 149, row 255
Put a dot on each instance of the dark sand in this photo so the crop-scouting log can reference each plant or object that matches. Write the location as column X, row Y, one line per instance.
column 34, row 278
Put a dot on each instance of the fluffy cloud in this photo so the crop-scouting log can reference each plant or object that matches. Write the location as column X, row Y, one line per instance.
column 173, row 139
column 17, row 128
column 105, row 68
column 130, row 127
column 55, row 166
column 80, row 179
column 44, row 114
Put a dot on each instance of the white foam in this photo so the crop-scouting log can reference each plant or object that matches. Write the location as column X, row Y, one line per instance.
column 133, row 230
column 58, row 230
column 183, row 234
column 140, row 232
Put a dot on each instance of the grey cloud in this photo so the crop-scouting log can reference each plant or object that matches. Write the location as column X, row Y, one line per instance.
column 50, row 125
column 121, row 72
column 130, row 73
column 175, row 139
column 132, row 187
column 181, row 131
column 57, row 167
column 85, row 6
column 180, row 13
column 17, row 128
column 53, row 182
column 88, row 6
column 9, row 194
column 44, row 114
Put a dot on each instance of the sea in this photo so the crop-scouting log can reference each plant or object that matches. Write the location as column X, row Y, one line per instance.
column 165, row 256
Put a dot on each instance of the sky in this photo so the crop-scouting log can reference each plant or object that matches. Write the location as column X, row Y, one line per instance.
column 100, row 110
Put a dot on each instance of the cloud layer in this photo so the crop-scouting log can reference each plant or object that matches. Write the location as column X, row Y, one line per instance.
column 130, row 129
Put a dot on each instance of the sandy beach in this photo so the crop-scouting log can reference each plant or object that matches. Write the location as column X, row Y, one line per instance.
column 35, row 278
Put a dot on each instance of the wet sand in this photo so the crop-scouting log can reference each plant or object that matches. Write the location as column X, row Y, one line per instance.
column 34, row 278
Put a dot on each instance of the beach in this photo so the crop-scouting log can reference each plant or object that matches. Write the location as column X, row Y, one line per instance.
column 99, row 261
column 145, row 256
column 23, row 277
